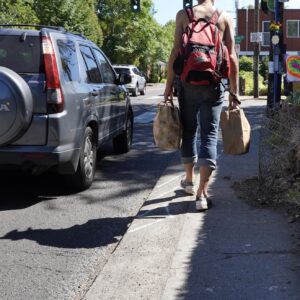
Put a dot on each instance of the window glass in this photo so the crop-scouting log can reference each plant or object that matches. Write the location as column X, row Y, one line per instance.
column 122, row 71
column 21, row 53
column 293, row 28
column 265, row 26
column 106, row 70
column 68, row 58
column 266, row 33
column 136, row 71
column 92, row 68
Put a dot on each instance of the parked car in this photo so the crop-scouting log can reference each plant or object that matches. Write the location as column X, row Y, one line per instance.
column 138, row 81
column 60, row 99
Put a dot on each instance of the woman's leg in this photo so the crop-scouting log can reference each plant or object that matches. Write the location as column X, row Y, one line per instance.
column 205, row 173
column 209, row 119
column 189, row 172
column 188, row 110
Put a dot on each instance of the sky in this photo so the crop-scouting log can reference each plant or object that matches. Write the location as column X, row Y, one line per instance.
column 167, row 9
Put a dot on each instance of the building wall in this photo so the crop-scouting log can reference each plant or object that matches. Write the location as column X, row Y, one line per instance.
column 245, row 25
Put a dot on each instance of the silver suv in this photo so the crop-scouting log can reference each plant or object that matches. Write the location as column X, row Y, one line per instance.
column 60, row 99
column 138, row 80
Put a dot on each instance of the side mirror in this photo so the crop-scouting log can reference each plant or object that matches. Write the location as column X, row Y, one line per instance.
column 124, row 78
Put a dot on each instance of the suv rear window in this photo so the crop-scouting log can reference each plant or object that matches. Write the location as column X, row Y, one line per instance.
column 68, row 58
column 22, row 55
column 122, row 71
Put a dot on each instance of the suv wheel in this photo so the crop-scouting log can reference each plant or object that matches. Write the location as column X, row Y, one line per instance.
column 135, row 91
column 143, row 91
column 16, row 105
column 123, row 142
column 84, row 176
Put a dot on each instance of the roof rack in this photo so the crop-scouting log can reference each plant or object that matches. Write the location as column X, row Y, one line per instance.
column 59, row 28
column 79, row 34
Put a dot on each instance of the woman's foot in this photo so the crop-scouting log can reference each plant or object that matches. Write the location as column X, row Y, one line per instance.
column 201, row 203
column 205, row 173
column 188, row 187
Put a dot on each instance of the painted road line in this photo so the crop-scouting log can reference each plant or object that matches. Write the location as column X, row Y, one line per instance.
column 157, row 197
column 144, row 226
column 163, row 218
column 169, row 181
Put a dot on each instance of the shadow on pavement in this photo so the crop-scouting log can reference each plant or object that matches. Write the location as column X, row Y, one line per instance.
column 92, row 234
column 141, row 166
column 20, row 190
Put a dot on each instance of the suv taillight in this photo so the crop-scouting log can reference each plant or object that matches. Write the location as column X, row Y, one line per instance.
column 55, row 100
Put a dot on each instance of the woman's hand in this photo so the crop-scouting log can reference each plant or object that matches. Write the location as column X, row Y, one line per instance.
column 168, row 94
column 234, row 101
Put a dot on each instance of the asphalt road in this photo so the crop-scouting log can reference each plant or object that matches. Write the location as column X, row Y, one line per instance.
column 53, row 242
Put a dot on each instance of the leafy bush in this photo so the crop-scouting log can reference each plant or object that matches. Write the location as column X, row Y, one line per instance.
column 246, row 72
column 264, row 67
column 249, row 85
column 246, row 64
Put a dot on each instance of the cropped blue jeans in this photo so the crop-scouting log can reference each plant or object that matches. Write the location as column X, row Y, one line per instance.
column 200, row 108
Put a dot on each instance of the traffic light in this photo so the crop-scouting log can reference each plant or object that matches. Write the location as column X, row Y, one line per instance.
column 187, row 3
column 264, row 6
column 135, row 5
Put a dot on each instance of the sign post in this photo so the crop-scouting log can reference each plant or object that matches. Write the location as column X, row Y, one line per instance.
column 256, row 37
column 239, row 38
column 277, row 52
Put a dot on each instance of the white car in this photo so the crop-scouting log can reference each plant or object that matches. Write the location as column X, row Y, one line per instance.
column 138, row 80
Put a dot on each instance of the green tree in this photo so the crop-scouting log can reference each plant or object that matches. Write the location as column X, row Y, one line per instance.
column 74, row 15
column 168, row 39
column 134, row 38
column 246, row 64
column 264, row 67
column 17, row 12
column 127, row 35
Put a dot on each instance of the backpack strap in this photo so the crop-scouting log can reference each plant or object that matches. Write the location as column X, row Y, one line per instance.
column 190, row 14
column 215, row 17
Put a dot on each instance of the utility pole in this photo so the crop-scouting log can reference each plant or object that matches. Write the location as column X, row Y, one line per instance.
column 277, row 51
column 236, row 16
column 256, row 51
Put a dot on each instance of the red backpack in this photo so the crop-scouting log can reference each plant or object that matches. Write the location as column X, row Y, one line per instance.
column 204, row 57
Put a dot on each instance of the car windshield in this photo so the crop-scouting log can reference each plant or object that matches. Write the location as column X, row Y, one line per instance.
column 22, row 55
column 122, row 71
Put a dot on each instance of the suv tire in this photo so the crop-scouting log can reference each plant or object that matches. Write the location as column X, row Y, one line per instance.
column 16, row 106
column 123, row 142
column 84, row 176
column 135, row 91
column 143, row 91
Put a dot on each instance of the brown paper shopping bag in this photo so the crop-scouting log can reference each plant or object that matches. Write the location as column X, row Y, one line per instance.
column 167, row 128
column 236, row 132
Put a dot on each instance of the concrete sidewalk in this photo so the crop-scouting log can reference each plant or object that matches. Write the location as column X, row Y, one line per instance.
column 233, row 251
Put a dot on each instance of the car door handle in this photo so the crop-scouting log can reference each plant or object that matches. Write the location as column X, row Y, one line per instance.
column 94, row 93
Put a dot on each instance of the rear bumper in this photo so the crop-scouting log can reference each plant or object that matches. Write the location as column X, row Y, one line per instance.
column 63, row 158
column 130, row 87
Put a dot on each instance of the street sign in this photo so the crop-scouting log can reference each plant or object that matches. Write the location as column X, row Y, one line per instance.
column 238, row 39
column 256, row 37
column 275, row 39
column 271, row 5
